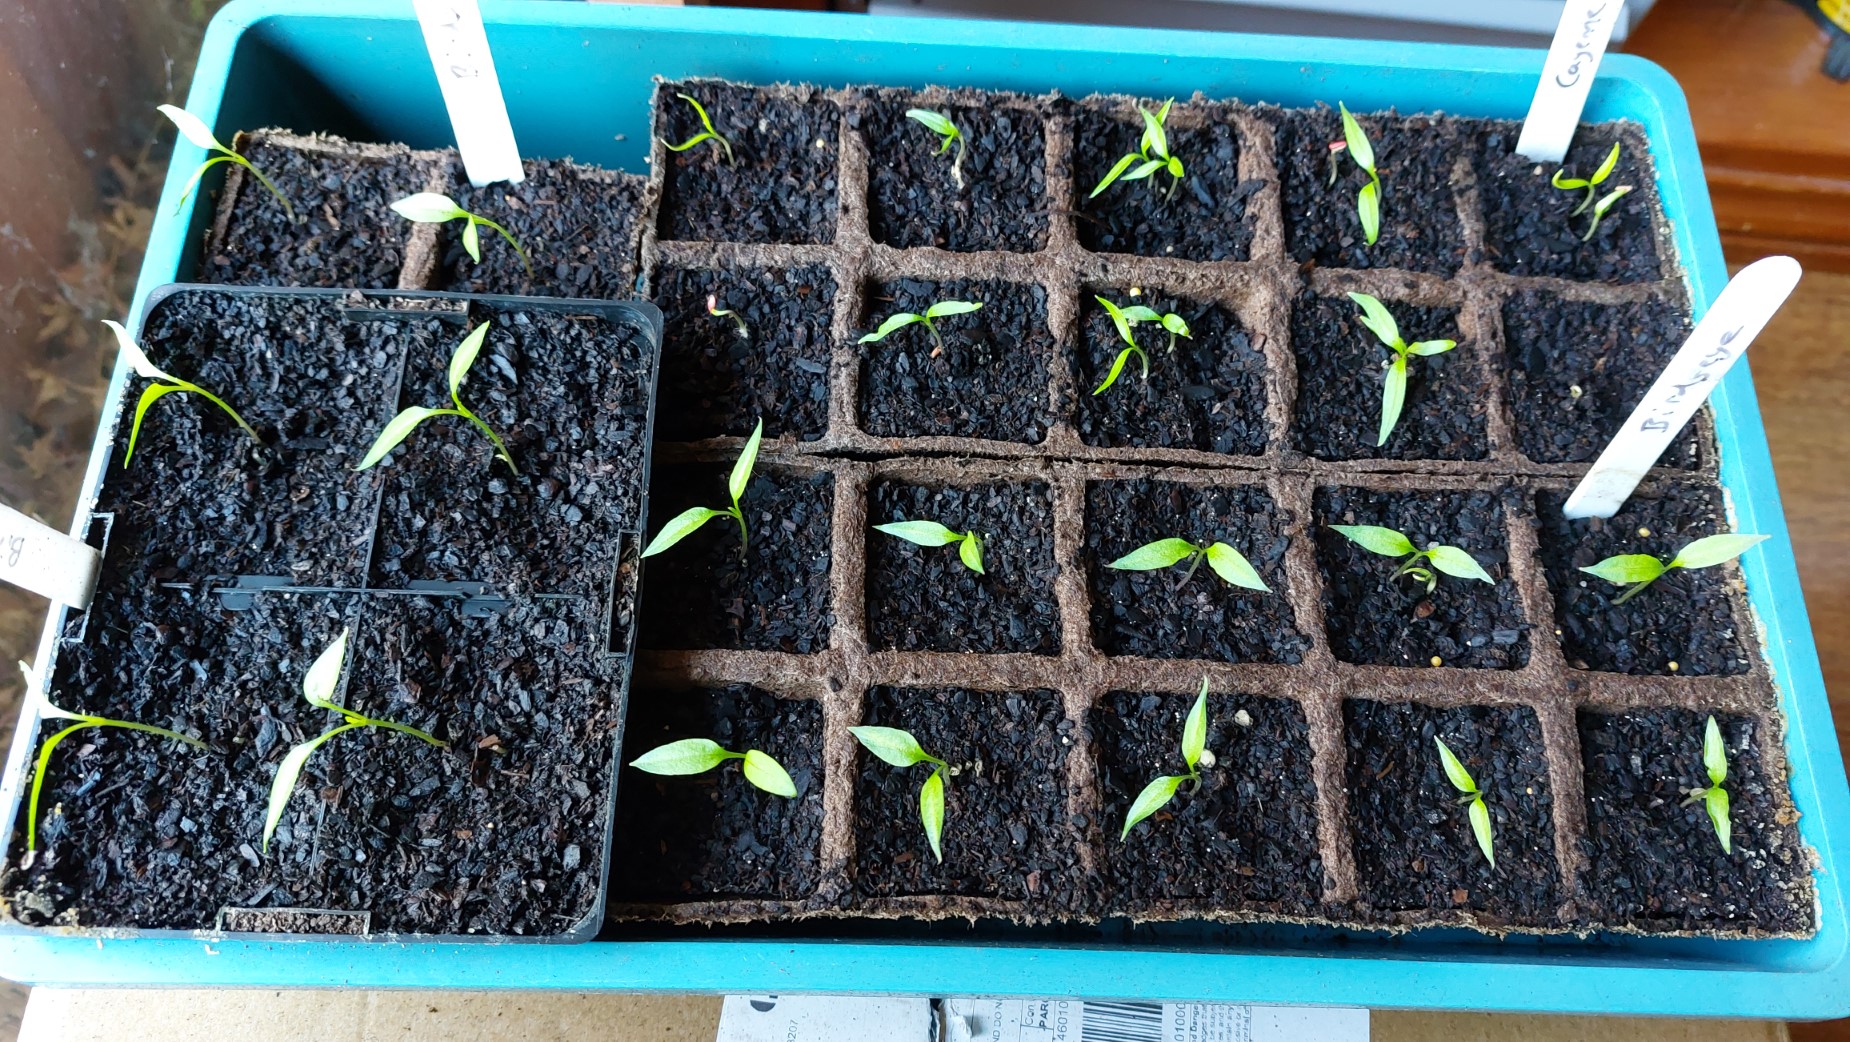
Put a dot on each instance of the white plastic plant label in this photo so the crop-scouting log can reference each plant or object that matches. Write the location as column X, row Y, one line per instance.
column 1745, row 306
column 40, row 558
column 1567, row 75
column 471, row 91
column 1089, row 1020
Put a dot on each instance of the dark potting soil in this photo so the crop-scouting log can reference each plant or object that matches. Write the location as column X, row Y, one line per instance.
column 569, row 398
column 1375, row 620
column 1577, row 370
column 923, row 598
column 912, row 199
column 1205, row 392
column 717, row 381
column 1686, row 617
column 1006, row 831
column 1341, row 370
column 780, row 182
column 1654, row 863
column 701, row 594
column 1414, row 156
column 577, row 223
column 990, row 380
column 1414, row 848
column 1145, row 614
column 1203, row 218
column 1529, row 225
column 714, row 835
column 1246, row 836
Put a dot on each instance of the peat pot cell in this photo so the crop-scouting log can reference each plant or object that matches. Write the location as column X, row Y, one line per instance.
column 1245, row 838
column 703, row 594
column 714, row 835
column 576, row 222
column 1170, row 613
column 1414, row 156
column 1654, row 862
column 1204, row 217
column 923, row 598
column 569, row 397
column 1203, row 392
column 988, row 378
column 1415, row 850
column 776, row 183
column 1342, row 372
column 345, row 232
column 1374, row 618
column 1006, row 833
column 913, row 198
column 1682, row 624
column 1530, row 227
column 719, row 379
column 1577, row 370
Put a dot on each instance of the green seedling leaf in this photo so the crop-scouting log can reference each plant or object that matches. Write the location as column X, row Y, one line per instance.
column 1152, row 799
column 1715, row 801
column 429, row 208
column 1715, row 549
column 687, row 756
column 1368, row 211
column 931, row 812
column 971, row 553
column 132, row 354
column 464, row 357
column 1377, row 540
column 1151, row 556
column 1119, row 318
column 1627, row 568
column 707, row 134
column 892, row 322
column 1359, row 147
column 947, row 308
column 1233, row 566
column 396, row 431
column 1714, row 753
column 1376, row 318
column 1175, row 324
column 1605, row 168
column 323, row 676
column 893, row 745
column 1393, row 397
column 741, row 475
column 1606, row 202
column 1455, row 771
column 767, row 774
column 1431, row 347
column 1457, row 563
column 138, row 362
column 1561, row 181
column 472, row 242
column 192, row 128
column 1145, row 169
column 149, row 395
column 935, row 122
column 1113, row 174
column 1117, row 367
column 288, row 773
column 1480, row 827
column 679, row 527
column 1154, row 139
column 1139, row 313
column 1195, row 728
column 924, row 533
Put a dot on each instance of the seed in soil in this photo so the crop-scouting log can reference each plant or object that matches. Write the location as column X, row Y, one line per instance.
column 931, row 533
column 1413, row 561
column 900, row 749
column 940, row 309
column 1157, row 794
column 436, row 208
column 1226, row 562
column 988, row 193
column 1123, row 318
column 195, row 130
column 1204, row 216
column 700, row 755
column 400, row 427
column 1637, row 571
column 1380, row 322
column 162, row 385
column 689, row 521
column 1533, row 227
column 756, row 164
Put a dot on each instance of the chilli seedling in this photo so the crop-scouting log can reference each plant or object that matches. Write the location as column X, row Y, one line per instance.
column 942, row 309
column 164, row 384
column 708, row 134
column 1714, row 798
column 948, row 135
column 1389, row 543
column 700, row 755
column 400, row 427
column 1466, row 785
column 318, row 687
column 1368, row 199
column 931, row 533
column 1394, row 388
column 1227, row 562
column 435, row 208
column 900, row 749
column 1599, row 203
column 1124, row 319
column 713, row 308
column 688, row 521
column 1637, row 571
column 194, row 129
column 1152, row 155
column 1195, row 756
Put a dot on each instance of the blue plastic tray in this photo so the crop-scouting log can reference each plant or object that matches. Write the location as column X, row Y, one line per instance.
column 577, row 82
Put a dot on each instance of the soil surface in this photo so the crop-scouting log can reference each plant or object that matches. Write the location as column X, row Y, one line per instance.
column 1205, row 216
column 1206, row 393
column 1655, row 864
column 914, row 201
column 923, row 598
column 1341, row 370
column 989, row 382
column 1246, row 836
column 1414, row 156
column 780, row 183
column 1529, row 225
column 1373, row 619
column 1686, row 617
column 1414, row 848
column 1006, row 832
column 1145, row 614
column 716, row 381
column 714, row 835
column 701, row 594
column 577, row 223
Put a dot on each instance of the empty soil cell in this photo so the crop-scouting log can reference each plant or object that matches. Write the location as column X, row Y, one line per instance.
column 1412, row 840
column 1341, row 374
column 718, row 381
column 1205, row 217
column 1686, row 617
column 1006, row 830
column 1204, row 392
column 1376, row 620
column 777, row 185
column 1654, row 863
column 1578, row 369
column 703, row 594
column 1530, row 227
column 714, row 836
column 1414, row 156
column 922, row 598
column 1245, row 839
column 913, row 199
column 577, row 223
column 989, row 381
column 1154, row 614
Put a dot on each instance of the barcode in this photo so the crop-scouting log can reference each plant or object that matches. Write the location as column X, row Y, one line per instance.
column 1123, row 1022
